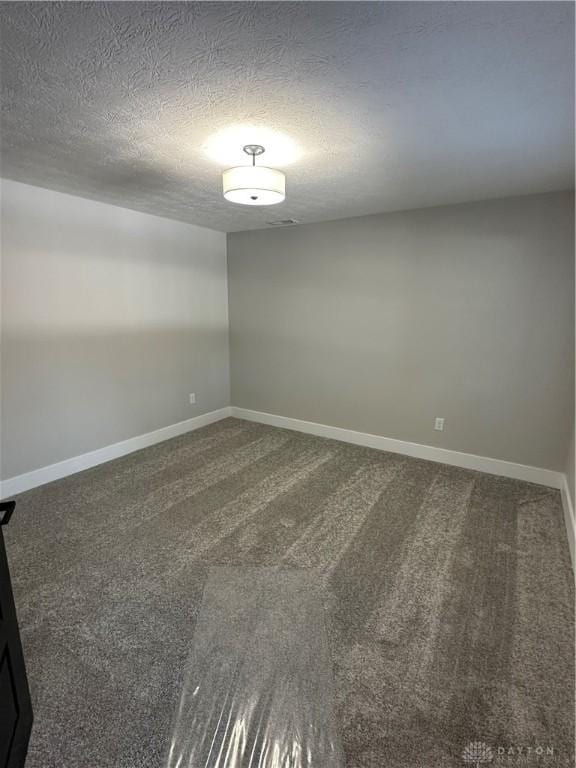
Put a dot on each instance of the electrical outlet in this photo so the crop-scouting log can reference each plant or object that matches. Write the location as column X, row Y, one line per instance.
column 192, row 398
column 439, row 424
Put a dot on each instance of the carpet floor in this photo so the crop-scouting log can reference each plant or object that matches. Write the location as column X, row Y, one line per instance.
column 448, row 594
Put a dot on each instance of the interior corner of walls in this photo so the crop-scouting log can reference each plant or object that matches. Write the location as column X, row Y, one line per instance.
column 569, row 519
column 537, row 475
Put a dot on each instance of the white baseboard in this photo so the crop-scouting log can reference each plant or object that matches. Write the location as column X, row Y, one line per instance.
column 537, row 475
column 20, row 483
column 569, row 519
column 547, row 477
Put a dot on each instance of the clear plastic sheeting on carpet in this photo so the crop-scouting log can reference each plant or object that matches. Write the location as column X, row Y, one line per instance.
column 258, row 688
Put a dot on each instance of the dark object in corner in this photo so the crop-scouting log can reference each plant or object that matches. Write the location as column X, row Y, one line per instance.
column 15, row 706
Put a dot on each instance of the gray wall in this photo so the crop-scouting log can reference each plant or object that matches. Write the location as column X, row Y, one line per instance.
column 381, row 323
column 110, row 318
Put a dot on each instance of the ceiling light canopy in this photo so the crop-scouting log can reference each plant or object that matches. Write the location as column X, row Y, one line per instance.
column 254, row 184
column 225, row 145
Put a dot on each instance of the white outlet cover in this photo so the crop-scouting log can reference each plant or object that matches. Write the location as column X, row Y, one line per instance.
column 192, row 398
column 439, row 424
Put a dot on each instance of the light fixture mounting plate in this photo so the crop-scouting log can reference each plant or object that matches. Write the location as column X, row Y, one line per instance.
column 253, row 149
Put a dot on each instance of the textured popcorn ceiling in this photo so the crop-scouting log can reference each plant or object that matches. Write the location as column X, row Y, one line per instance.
column 392, row 105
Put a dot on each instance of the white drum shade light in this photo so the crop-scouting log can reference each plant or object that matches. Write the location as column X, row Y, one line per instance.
column 254, row 184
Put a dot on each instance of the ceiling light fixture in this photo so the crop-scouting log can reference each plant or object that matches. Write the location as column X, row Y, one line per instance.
column 254, row 184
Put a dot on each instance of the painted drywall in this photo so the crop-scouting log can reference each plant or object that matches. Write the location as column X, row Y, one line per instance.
column 381, row 323
column 110, row 318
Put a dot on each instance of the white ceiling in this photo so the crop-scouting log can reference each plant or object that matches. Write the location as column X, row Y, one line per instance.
column 391, row 105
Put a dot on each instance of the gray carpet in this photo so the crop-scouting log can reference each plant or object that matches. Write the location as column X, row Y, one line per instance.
column 448, row 596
